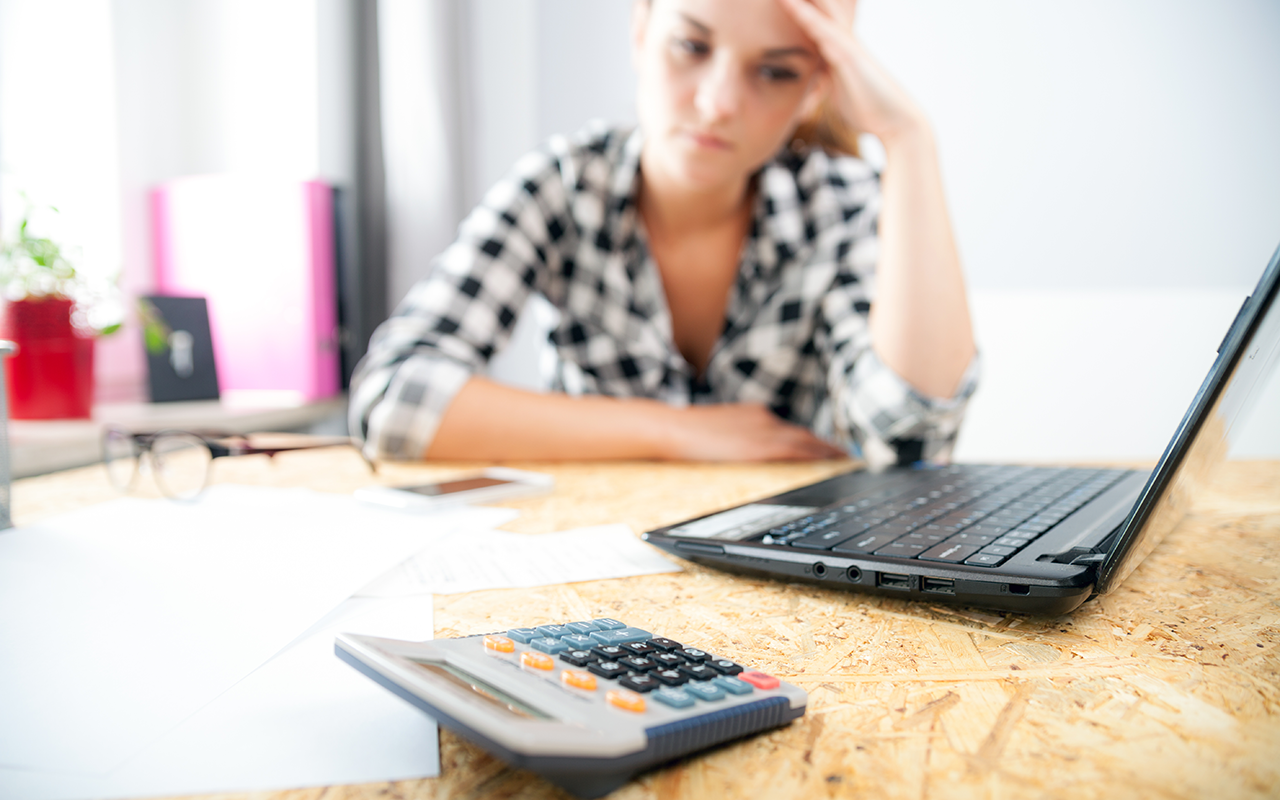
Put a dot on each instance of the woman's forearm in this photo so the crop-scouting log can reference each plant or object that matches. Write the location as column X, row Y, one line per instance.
column 490, row 421
column 920, row 323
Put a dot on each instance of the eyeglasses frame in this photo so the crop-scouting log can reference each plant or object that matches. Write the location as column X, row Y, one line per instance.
column 213, row 441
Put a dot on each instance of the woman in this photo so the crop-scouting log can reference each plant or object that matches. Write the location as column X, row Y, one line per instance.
column 714, row 277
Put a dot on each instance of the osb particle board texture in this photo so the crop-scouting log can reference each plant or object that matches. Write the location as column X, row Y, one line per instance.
column 1169, row 687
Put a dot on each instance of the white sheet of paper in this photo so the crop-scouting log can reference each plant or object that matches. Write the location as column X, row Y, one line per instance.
column 304, row 718
column 451, row 564
column 121, row 620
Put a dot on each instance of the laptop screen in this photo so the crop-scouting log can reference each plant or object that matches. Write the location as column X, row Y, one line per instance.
column 1248, row 356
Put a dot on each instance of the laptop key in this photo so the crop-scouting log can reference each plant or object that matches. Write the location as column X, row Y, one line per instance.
column 968, row 537
column 903, row 549
column 824, row 540
column 998, row 550
column 985, row 560
column 926, row 539
column 1009, row 540
column 949, row 552
column 865, row 543
column 987, row 529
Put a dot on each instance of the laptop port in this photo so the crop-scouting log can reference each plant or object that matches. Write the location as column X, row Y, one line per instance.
column 1019, row 588
column 892, row 580
column 938, row 585
column 819, row 570
column 853, row 574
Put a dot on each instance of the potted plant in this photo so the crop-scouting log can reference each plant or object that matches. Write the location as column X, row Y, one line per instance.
column 51, row 374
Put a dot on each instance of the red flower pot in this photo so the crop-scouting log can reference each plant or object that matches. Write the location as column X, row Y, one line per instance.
column 51, row 375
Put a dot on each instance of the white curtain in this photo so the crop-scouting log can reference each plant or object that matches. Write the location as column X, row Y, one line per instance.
column 423, row 132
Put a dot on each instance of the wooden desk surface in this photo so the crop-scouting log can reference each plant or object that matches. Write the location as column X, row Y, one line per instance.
column 1169, row 687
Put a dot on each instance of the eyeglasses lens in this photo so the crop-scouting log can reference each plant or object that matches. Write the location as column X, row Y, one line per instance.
column 120, row 455
column 181, row 463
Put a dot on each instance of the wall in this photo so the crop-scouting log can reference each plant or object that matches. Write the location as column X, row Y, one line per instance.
column 1111, row 170
column 137, row 92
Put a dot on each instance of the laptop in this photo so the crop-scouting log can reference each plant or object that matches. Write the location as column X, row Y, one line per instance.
column 1040, row 540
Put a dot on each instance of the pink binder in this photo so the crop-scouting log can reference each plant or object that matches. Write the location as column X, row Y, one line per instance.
column 261, row 251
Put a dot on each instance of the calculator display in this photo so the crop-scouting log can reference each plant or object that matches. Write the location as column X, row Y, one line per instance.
column 490, row 695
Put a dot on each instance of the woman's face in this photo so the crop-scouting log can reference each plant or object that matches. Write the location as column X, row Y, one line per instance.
column 722, row 85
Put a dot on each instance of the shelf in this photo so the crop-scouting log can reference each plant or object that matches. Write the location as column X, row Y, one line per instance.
column 40, row 446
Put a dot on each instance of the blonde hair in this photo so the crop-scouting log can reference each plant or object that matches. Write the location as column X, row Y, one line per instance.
column 825, row 128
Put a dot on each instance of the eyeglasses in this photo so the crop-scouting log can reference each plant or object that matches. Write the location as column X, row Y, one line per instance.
column 181, row 461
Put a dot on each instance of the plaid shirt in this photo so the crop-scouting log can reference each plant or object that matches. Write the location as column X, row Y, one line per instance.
column 565, row 224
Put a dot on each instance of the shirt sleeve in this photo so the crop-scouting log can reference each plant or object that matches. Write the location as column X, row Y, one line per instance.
column 873, row 408
column 453, row 321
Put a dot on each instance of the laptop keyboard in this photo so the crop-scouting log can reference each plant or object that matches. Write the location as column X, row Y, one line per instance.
column 979, row 516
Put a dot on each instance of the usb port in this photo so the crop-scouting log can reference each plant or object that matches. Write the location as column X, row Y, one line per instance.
column 938, row 585
column 893, row 580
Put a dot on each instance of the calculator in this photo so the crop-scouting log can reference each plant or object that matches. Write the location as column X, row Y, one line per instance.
column 586, row 704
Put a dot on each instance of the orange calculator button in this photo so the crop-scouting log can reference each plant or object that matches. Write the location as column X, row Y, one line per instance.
column 578, row 679
column 536, row 660
column 499, row 643
column 759, row 679
column 628, row 701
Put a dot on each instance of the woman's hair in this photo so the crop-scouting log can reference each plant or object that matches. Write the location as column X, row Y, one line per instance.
column 827, row 129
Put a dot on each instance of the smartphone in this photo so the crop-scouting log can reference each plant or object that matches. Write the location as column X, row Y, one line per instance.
column 496, row 483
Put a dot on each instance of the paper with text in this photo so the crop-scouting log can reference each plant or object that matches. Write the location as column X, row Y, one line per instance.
column 469, row 561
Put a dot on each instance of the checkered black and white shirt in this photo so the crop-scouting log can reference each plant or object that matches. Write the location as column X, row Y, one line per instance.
column 565, row 224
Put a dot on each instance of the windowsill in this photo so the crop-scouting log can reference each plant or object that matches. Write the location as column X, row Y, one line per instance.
column 40, row 446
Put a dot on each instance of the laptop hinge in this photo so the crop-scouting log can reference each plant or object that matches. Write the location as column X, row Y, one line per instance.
column 1078, row 556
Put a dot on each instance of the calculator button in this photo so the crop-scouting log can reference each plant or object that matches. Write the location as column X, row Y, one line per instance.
column 522, row 635
column 619, row 635
column 637, row 663
column 606, row 624
column 628, row 701
column 705, row 691
column 732, row 685
column 579, row 641
column 699, row 672
column 581, row 627
column 607, row 669
column 676, row 698
column 664, row 644
column 500, row 644
column 578, row 658
column 552, row 631
column 536, row 660
column 671, row 677
column 759, row 679
column 691, row 654
column 578, row 679
column 724, row 666
column 551, row 646
column 639, row 648
column 609, row 652
column 666, row 659
column 639, row 683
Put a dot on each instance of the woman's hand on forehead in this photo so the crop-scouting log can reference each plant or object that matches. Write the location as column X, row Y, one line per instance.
column 862, row 92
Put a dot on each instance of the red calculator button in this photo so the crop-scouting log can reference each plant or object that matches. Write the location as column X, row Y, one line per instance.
column 759, row 679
